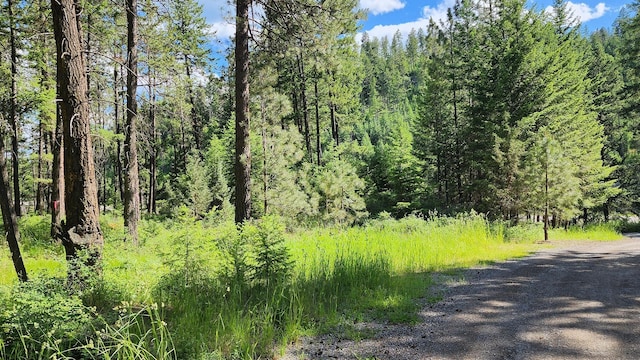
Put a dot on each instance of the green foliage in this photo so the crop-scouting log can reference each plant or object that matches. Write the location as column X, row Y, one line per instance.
column 39, row 318
column 35, row 234
column 232, row 292
column 340, row 187
column 197, row 177
column 272, row 261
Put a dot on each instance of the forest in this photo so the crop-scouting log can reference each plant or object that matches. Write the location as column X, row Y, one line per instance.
column 160, row 204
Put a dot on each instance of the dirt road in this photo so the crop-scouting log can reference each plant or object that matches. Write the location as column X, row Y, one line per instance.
column 577, row 301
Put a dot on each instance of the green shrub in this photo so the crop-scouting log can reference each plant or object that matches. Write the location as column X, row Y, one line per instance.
column 272, row 267
column 35, row 235
column 39, row 317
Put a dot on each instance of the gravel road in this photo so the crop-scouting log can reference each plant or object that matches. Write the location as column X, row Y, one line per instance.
column 578, row 300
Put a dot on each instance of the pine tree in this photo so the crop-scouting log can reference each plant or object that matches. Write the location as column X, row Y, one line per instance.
column 81, row 233
column 188, row 29
column 132, row 183
column 243, row 146
column 10, row 222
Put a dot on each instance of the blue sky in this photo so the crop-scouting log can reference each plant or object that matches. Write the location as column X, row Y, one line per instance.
column 387, row 16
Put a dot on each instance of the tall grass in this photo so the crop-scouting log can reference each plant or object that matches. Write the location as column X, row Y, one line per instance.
column 233, row 293
column 409, row 245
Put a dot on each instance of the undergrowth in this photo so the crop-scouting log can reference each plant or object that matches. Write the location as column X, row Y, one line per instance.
column 205, row 290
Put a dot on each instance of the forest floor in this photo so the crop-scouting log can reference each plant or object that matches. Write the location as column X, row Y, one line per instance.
column 574, row 300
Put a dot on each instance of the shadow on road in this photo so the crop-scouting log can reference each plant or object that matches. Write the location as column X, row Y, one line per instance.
column 580, row 303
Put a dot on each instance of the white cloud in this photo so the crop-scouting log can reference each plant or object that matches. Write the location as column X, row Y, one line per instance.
column 377, row 7
column 438, row 13
column 223, row 29
column 583, row 12
column 219, row 15
column 380, row 31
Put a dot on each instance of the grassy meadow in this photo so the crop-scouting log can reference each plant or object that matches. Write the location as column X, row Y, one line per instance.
column 208, row 290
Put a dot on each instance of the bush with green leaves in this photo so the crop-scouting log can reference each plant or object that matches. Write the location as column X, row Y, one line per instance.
column 39, row 317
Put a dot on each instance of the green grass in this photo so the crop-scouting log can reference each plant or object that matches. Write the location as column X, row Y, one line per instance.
column 219, row 305
column 597, row 232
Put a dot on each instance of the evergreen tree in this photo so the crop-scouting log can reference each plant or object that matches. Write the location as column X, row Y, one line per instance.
column 132, row 183
column 81, row 233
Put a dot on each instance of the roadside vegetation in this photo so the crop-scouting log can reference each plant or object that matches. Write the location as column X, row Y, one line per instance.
column 206, row 290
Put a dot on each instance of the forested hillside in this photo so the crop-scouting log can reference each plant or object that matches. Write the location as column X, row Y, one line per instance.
column 500, row 109
column 117, row 107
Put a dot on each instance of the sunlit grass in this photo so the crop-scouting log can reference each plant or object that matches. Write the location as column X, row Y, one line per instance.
column 599, row 232
column 381, row 270
column 411, row 245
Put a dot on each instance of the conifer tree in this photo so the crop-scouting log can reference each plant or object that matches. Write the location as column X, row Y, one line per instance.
column 81, row 233
column 188, row 30
column 132, row 183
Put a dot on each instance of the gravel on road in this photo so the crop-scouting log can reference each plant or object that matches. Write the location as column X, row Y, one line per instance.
column 576, row 300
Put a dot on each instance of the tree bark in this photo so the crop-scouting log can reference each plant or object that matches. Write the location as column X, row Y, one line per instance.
column 317, row 107
column 40, row 185
column 13, row 110
column 116, row 112
column 265, row 174
column 546, row 199
column 132, row 182
column 153, row 182
column 9, row 218
column 58, row 210
column 305, row 110
column 243, row 148
column 195, row 123
column 81, row 235
column 334, row 120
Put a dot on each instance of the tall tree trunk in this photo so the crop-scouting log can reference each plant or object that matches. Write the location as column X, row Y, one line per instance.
column 265, row 174
column 153, row 182
column 58, row 210
column 243, row 149
column 305, row 109
column 9, row 217
column 195, row 123
column 81, row 235
column 116, row 112
column 317, row 106
column 454, row 90
column 132, row 184
column 334, row 120
column 40, row 185
column 546, row 200
column 296, row 112
column 13, row 110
